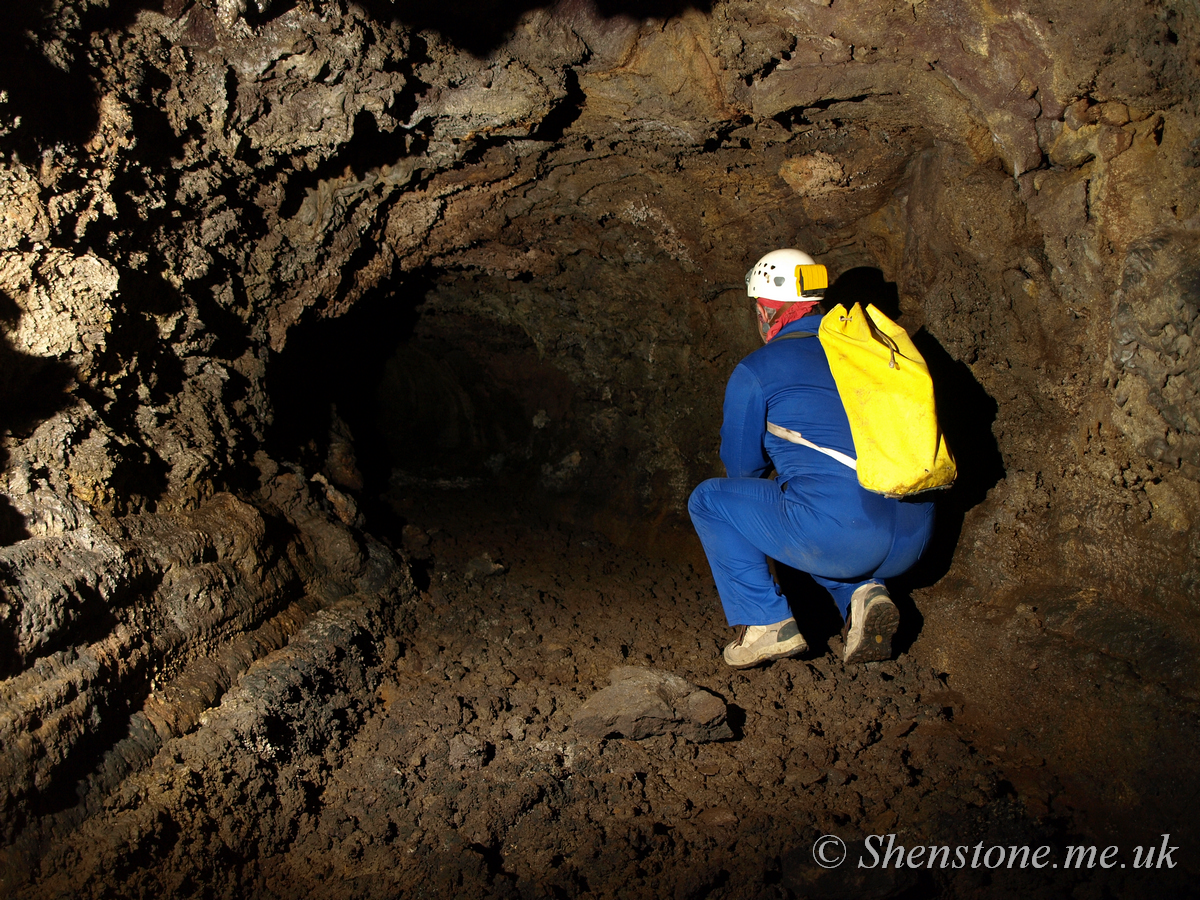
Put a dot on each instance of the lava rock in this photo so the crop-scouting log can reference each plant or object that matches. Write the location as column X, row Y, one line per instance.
column 643, row 702
column 467, row 752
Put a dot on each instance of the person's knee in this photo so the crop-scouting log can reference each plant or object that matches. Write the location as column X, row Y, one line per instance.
column 698, row 501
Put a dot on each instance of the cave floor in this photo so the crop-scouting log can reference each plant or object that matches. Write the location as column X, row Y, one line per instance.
column 452, row 769
column 466, row 779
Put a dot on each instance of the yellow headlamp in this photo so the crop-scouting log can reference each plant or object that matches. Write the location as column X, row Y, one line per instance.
column 811, row 279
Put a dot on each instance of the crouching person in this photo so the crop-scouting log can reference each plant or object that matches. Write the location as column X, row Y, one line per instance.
column 812, row 515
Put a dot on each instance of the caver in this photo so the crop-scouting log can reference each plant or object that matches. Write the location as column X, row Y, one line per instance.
column 811, row 513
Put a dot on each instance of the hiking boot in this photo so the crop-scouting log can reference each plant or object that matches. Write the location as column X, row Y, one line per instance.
column 758, row 644
column 873, row 622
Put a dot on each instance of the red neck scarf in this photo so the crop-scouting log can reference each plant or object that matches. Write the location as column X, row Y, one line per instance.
column 774, row 314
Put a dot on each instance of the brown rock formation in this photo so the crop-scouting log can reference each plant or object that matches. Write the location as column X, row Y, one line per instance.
column 506, row 242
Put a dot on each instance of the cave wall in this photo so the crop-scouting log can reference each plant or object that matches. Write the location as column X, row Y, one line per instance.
column 187, row 187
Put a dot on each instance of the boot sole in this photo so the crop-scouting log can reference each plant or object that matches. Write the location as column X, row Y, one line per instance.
column 879, row 627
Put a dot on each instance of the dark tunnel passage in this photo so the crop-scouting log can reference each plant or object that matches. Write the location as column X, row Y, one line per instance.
column 423, row 399
column 447, row 398
column 360, row 359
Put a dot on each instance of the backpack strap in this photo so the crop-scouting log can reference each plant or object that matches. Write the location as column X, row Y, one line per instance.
column 794, row 437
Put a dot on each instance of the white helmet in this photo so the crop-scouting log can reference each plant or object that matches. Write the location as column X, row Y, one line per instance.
column 787, row 275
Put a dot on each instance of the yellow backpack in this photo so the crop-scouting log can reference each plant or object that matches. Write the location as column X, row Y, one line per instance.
column 885, row 387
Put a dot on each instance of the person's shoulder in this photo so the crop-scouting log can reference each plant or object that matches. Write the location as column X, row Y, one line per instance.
column 795, row 354
column 756, row 358
column 792, row 340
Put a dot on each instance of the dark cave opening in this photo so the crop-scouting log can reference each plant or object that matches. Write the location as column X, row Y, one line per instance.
column 430, row 395
column 468, row 397
column 328, row 371
column 428, row 400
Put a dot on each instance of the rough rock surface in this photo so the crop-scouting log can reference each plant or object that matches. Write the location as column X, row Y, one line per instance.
column 642, row 703
column 503, row 244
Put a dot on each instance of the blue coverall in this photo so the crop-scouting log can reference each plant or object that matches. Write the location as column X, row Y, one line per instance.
column 813, row 516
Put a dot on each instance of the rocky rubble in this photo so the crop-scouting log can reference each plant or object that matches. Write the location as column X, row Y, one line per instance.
column 438, row 753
